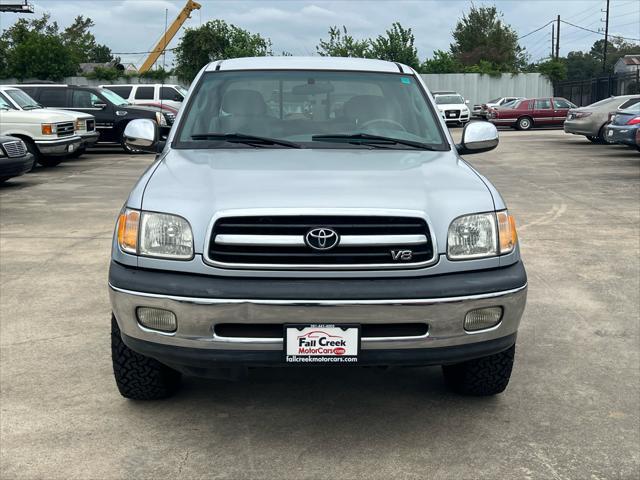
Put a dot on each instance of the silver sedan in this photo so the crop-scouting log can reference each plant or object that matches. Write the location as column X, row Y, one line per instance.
column 591, row 120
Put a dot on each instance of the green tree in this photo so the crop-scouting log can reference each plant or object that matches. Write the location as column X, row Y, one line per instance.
column 481, row 35
column 79, row 39
column 40, row 56
column 616, row 48
column 396, row 46
column 581, row 65
column 555, row 70
column 442, row 62
column 341, row 44
column 216, row 40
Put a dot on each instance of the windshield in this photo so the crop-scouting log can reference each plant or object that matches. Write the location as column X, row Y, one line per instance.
column 495, row 100
column 449, row 99
column 4, row 104
column 310, row 108
column 113, row 97
column 22, row 99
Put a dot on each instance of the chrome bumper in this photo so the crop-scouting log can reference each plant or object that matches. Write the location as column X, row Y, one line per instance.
column 63, row 146
column 196, row 318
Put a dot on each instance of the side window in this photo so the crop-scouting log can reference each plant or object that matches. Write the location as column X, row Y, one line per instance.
column 124, row 92
column 83, row 99
column 561, row 103
column 543, row 104
column 144, row 93
column 54, row 97
column 170, row 93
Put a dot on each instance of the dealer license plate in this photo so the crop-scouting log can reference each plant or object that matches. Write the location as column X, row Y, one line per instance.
column 451, row 114
column 321, row 343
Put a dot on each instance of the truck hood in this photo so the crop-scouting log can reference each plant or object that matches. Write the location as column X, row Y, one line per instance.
column 36, row 116
column 76, row 115
column 198, row 183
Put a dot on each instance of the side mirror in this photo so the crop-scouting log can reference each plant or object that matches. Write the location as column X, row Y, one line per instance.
column 101, row 106
column 467, row 102
column 478, row 137
column 142, row 134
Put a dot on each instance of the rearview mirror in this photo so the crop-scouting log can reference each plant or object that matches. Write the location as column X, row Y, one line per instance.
column 478, row 137
column 142, row 134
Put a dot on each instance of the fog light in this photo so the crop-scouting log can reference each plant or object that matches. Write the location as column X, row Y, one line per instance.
column 482, row 318
column 157, row 319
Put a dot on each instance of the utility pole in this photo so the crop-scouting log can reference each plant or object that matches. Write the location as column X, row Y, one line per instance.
column 606, row 39
column 553, row 38
column 558, row 39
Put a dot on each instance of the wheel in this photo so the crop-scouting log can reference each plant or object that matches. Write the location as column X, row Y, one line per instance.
column 524, row 123
column 33, row 150
column 49, row 161
column 482, row 376
column 139, row 377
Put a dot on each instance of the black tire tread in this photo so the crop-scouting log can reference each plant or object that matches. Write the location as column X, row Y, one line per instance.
column 482, row 376
column 139, row 377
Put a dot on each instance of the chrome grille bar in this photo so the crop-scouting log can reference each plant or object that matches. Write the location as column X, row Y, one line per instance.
column 298, row 240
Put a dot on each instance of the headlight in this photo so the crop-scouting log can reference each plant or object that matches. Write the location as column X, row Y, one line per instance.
column 1, row 152
column 49, row 129
column 153, row 234
column 481, row 235
column 160, row 119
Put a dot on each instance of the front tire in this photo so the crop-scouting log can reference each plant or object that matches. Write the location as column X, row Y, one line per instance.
column 524, row 123
column 139, row 377
column 482, row 376
column 49, row 161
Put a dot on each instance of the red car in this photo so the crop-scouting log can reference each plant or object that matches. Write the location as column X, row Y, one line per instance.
column 532, row 112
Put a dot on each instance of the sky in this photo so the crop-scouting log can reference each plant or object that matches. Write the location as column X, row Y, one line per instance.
column 296, row 26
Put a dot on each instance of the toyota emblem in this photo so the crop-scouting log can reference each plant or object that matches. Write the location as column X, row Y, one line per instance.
column 322, row 238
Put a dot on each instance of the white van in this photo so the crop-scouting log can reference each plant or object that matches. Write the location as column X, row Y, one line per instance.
column 151, row 94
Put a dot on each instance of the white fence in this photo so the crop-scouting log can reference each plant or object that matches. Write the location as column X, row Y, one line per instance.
column 478, row 88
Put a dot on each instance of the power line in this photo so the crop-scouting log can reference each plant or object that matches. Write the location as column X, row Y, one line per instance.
column 536, row 30
column 142, row 53
column 599, row 33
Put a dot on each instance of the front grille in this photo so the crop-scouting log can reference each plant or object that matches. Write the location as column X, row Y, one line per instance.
column 276, row 330
column 283, row 242
column 65, row 129
column 91, row 125
column 15, row 149
column 452, row 113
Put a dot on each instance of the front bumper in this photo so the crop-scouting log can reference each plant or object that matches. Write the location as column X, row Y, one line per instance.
column 59, row 147
column 15, row 166
column 440, row 301
column 89, row 139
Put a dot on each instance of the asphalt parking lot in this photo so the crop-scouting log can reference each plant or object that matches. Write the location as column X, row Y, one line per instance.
column 571, row 410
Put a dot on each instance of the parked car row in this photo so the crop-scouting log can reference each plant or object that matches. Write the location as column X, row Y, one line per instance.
column 54, row 122
column 612, row 120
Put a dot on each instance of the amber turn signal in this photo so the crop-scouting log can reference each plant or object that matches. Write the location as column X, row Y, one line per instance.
column 507, row 232
column 128, row 224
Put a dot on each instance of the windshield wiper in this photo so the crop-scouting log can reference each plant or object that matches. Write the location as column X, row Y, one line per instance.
column 366, row 138
column 244, row 138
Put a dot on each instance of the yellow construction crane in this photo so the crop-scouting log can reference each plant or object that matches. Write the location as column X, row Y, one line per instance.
column 169, row 34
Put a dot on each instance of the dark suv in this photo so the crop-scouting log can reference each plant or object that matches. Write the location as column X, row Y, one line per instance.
column 112, row 112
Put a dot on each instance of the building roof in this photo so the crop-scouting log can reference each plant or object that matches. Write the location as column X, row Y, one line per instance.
column 631, row 59
column 308, row 63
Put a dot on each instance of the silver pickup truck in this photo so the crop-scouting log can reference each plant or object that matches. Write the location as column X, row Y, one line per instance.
column 312, row 211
